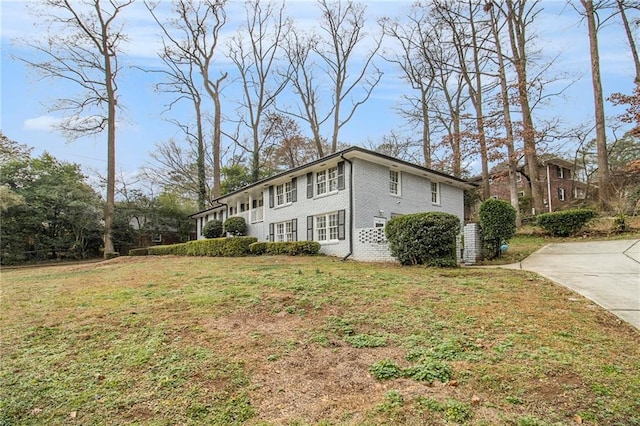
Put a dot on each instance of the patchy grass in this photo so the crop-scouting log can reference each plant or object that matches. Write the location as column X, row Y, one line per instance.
column 277, row 340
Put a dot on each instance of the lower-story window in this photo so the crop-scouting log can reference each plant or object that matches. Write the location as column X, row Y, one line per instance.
column 327, row 227
column 284, row 231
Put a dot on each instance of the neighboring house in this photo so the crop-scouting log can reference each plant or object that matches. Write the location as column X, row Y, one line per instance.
column 343, row 201
column 560, row 187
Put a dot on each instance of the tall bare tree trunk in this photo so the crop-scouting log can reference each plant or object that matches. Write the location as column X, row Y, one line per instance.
column 426, row 130
column 517, row 26
column 217, row 133
column 508, row 124
column 601, row 137
column 111, row 156
column 202, row 176
column 632, row 43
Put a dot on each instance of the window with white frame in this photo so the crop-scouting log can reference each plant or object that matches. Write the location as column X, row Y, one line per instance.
column 435, row 193
column 284, row 231
column 518, row 177
column 284, row 194
column 327, row 181
column 561, row 194
column 560, row 172
column 394, row 182
column 326, row 227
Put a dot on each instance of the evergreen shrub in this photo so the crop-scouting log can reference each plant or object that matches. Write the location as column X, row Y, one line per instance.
column 424, row 238
column 292, row 248
column 144, row 251
column 566, row 222
column 213, row 229
column 215, row 247
column 498, row 224
column 235, row 226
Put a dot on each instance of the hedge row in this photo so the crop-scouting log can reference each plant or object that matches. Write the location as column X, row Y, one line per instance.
column 294, row 248
column 230, row 247
column 217, row 247
column 566, row 222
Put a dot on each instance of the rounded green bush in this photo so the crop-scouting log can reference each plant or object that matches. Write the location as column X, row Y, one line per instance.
column 424, row 238
column 566, row 222
column 213, row 229
column 236, row 226
column 498, row 224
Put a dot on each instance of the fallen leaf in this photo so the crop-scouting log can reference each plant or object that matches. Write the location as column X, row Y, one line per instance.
column 475, row 400
column 577, row 419
column 73, row 414
column 453, row 383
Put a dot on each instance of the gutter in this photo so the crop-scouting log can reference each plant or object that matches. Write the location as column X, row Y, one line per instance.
column 351, row 228
column 549, row 189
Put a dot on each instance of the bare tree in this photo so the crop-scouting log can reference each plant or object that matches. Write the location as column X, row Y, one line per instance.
column 288, row 148
column 255, row 51
column 82, row 47
column 509, row 140
column 180, row 79
column 590, row 13
column 622, row 9
column 470, row 39
column 197, row 28
column 415, row 60
column 519, row 15
column 336, row 50
column 176, row 168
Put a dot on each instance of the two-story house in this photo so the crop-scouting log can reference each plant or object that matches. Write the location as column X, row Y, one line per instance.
column 343, row 201
column 559, row 184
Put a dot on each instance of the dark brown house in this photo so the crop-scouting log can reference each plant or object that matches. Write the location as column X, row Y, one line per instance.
column 561, row 188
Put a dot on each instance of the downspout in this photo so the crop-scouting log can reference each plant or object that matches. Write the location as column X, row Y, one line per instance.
column 549, row 188
column 350, row 207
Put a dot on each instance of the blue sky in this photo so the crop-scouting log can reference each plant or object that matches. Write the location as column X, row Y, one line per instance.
column 24, row 116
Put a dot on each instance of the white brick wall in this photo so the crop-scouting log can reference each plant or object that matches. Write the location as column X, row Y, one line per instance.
column 472, row 243
column 373, row 199
column 370, row 245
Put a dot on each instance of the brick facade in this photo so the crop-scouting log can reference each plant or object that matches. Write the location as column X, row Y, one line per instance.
column 558, row 184
column 363, row 184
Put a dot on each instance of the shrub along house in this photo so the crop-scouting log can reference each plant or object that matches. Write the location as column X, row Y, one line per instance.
column 342, row 201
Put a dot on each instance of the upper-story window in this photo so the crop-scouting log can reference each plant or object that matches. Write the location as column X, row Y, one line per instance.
column 394, row 182
column 435, row 193
column 284, row 194
column 563, row 173
column 327, row 181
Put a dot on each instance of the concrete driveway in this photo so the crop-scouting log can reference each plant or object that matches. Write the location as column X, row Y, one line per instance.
column 607, row 272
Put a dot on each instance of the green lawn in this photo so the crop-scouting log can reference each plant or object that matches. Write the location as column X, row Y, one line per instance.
column 297, row 341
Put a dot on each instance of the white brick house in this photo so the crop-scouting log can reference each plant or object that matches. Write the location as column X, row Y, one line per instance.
column 342, row 201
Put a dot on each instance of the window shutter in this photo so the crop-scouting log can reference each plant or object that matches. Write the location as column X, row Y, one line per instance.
column 341, row 175
column 271, row 232
column 294, row 228
column 294, row 189
column 309, row 185
column 271, row 197
column 341, row 220
column 309, row 228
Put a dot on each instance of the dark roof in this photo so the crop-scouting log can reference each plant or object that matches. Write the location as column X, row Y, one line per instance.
column 341, row 154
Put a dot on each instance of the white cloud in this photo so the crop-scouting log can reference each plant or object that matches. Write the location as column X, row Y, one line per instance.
column 44, row 123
